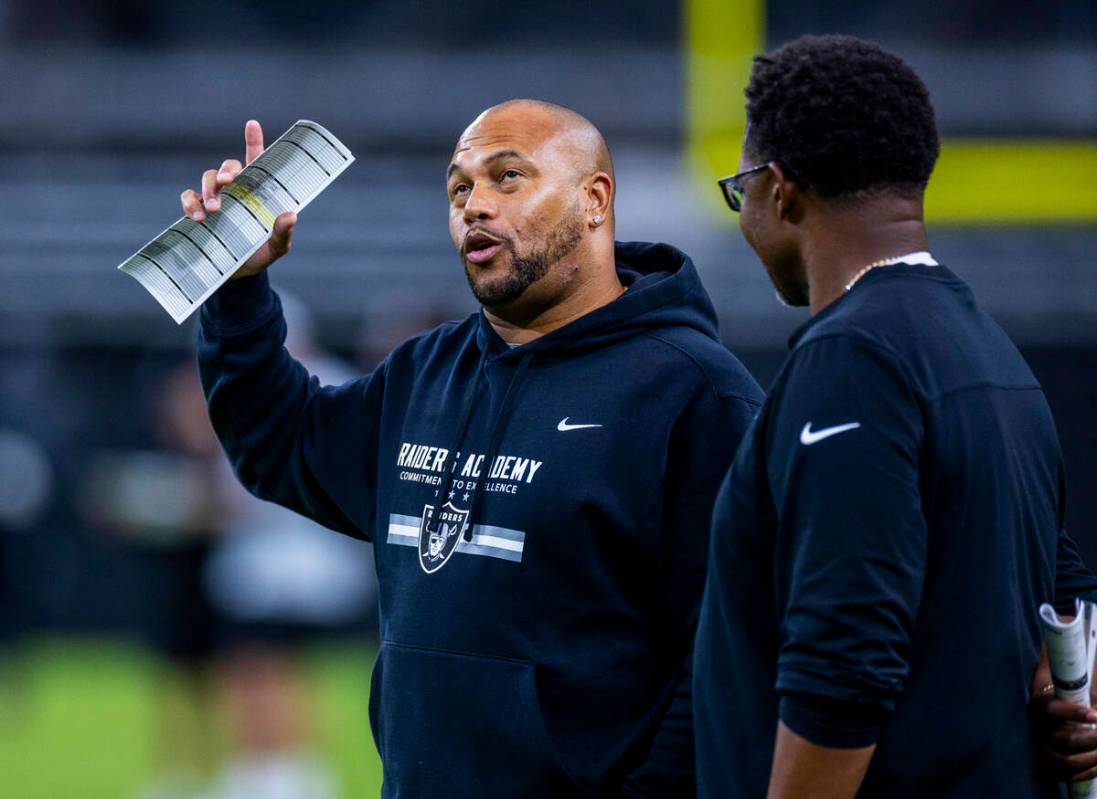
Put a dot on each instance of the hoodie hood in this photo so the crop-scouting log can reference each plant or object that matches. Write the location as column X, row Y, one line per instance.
column 664, row 290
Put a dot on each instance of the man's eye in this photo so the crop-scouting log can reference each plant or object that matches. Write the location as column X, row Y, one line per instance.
column 460, row 188
column 512, row 173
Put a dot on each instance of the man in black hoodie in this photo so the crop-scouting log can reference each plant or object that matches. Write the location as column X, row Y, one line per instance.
column 537, row 479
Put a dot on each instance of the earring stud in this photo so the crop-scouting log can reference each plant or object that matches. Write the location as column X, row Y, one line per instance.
column 597, row 220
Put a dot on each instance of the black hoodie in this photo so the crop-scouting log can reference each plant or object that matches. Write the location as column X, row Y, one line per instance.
column 557, row 497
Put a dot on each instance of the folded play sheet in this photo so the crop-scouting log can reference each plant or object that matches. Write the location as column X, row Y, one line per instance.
column 190, row 260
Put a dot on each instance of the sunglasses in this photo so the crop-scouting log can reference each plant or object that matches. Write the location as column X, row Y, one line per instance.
column 732, row 186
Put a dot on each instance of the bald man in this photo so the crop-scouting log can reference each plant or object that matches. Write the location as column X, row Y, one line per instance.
column 537, row 479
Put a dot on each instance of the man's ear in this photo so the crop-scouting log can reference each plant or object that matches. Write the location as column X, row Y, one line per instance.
column 599, row 196
column 788, row 198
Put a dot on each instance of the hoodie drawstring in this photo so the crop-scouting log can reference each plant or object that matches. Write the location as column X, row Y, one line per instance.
column 496, row 439
column 494, row 442
column 466, row 416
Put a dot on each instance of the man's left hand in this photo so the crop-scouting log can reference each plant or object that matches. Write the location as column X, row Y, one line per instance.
column 1066, row 733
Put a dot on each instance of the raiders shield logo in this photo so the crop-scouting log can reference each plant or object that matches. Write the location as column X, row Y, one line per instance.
column 439, row 533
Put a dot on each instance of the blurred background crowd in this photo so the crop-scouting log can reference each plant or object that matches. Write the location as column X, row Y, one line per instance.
column 165, row 636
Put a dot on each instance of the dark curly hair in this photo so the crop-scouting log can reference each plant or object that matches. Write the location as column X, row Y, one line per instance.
column 843, row 116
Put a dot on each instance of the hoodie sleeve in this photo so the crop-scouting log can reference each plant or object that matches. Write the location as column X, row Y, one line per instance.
column 308, row 447
column 701, row 450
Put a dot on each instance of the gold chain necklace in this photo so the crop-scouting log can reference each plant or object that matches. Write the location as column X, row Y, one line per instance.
column 864, row 270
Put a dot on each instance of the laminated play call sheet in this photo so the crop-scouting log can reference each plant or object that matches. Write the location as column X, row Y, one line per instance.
column 190, row 260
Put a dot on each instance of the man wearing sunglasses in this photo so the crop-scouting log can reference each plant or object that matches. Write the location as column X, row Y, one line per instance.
column 893, row 519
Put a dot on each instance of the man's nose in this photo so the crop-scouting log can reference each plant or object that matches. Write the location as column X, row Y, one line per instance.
column 479, row 204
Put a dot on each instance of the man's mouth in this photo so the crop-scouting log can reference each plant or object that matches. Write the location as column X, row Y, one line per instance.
column 480, row 247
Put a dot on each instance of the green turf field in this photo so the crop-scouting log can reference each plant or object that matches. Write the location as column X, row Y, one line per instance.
column 77, row 719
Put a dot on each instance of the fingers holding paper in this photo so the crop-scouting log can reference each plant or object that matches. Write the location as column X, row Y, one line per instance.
column 198, row 205
column 279, row 243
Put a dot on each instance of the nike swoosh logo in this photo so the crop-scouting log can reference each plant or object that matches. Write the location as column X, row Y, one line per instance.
column 809, row 436
column 563, row 427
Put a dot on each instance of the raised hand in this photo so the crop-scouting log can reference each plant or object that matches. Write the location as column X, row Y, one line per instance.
column 197, row 205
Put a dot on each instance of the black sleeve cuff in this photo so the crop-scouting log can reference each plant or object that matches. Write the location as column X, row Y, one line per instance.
column 240, row 305
column 832, row 722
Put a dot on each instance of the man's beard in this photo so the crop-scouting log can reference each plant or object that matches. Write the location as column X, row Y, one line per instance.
column 528, row 268
column 797, row 298
column 792, row 292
